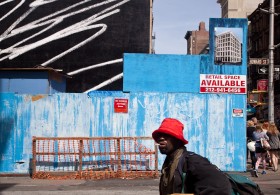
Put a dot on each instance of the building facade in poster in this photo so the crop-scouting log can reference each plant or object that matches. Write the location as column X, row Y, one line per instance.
column 228, row 49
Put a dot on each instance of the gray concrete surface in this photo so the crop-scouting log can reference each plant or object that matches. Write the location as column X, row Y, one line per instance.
column 26, row 185
column 269, row 183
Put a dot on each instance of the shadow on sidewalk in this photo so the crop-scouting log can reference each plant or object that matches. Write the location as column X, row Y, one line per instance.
column 5, row 186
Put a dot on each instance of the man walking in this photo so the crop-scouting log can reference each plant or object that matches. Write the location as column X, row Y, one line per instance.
column 183, row 171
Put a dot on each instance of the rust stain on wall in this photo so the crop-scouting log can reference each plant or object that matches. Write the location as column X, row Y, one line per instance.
column 37, row 97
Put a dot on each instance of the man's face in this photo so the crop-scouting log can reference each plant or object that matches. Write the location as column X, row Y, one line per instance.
column 166, row 143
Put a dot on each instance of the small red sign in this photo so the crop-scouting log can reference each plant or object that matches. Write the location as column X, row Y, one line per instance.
column 121, row 105
column 236, row 112
column 262, row 85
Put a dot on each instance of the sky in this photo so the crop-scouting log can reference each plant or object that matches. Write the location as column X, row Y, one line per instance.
column 238, row 32
column 173, row 18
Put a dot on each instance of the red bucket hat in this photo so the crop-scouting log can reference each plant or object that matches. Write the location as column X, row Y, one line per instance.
column 172, row 127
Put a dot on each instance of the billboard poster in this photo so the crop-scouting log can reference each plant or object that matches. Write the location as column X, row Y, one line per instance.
column 228, row 41
column 228, row 84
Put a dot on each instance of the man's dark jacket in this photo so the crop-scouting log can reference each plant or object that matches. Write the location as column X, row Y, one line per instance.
column 202, row 177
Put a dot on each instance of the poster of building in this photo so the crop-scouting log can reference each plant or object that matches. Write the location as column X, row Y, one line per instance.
column 228, row 46
column 228, row 42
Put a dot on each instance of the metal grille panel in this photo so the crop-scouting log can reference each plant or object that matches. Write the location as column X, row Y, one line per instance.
column 94, row 158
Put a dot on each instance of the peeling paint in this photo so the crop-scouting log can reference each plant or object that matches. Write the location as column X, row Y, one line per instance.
column 37, row 97
column 74, row 115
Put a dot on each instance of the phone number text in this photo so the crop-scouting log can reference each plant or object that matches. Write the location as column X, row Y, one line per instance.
column 222, row 90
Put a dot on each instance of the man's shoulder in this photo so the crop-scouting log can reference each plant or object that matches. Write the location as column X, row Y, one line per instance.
column 193, row 155
column 202, row 167
column 194, row 159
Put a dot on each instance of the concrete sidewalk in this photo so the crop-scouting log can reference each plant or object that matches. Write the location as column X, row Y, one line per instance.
column 26, row 185
column 269, row 183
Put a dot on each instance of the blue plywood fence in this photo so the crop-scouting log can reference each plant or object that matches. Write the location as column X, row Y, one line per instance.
column 208, row 128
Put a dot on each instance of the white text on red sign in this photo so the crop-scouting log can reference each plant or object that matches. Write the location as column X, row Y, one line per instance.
column 216, row 83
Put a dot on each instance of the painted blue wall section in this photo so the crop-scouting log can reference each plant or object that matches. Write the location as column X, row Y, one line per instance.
column 220, row 135
column 161, row 73
column 209, row 127
column 7, row 132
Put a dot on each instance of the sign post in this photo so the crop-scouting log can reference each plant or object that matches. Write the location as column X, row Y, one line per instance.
column 271, row 63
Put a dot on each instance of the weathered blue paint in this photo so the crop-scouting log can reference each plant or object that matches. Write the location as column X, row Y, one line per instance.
column 7, row 133
column 223, row 137
column 208, row 128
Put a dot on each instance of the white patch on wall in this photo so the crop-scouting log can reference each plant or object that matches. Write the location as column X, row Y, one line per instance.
column 216, row 142
column 133, row 110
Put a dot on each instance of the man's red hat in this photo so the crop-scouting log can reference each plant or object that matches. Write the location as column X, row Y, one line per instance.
column 172, row 127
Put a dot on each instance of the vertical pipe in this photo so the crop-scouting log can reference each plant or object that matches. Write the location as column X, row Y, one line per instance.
column 156, row 158
column 119, row 156
column 81, row 157
column 271, row 64
column 151, row 28
column 33, row 171
column 191, row 45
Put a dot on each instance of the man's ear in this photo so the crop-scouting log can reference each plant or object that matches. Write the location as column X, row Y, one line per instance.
column 177, row 143
column 180, row 143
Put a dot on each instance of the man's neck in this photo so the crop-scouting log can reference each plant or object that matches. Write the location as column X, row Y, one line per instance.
column 172, row 154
